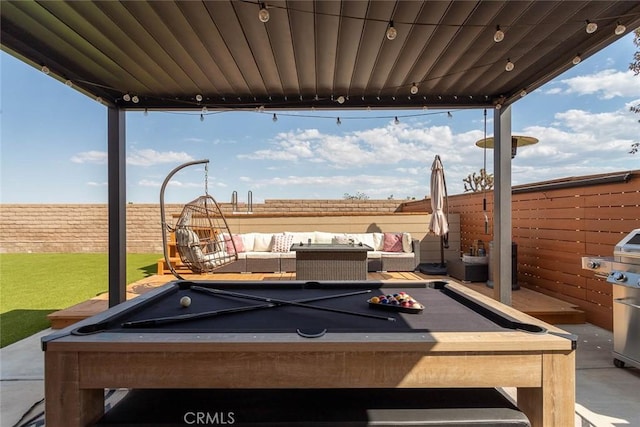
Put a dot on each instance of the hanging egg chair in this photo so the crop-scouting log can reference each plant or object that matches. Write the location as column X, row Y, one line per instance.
column 202, row 236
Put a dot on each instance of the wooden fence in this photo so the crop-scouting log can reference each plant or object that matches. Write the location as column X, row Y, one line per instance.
column 555, row 224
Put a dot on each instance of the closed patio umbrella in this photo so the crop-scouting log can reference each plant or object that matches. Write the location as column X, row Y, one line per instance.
column 439, row 224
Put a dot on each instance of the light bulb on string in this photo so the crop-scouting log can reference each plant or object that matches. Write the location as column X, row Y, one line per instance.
column 591, row 27
column 69, row 83
column 338, row 122
column 414, row 89
column 204, row 110
column 45, row 69
column 146, row 112
column 620, row 29
column 274, row 118
column 509, row 65
column 201, row 117
column 199, row 98
column 340, row 99
column 449, row 114
column 576, row 60
column 126, row 97
column 396, row 121
column 392, row 33
column 498, row 36
column 263, row 14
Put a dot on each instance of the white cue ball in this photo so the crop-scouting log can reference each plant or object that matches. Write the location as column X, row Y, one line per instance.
column 185, row 301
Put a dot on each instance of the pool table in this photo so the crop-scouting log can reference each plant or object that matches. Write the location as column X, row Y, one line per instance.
column 297, row 334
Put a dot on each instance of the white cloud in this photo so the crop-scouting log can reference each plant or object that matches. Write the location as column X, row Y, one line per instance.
column 92, row 157
column 389, row 145
column 172, row 183
column 145, row 157
column 375, row 186
column 97, row 184
column 149, row 157
column 605, row 84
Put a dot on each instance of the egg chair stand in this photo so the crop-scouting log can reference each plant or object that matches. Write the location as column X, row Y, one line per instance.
column 202, row 235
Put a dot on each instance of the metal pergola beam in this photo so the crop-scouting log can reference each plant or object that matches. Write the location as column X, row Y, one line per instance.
column 116, row 147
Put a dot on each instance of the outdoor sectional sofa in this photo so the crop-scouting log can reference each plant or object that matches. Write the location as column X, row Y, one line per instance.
column 270, row 252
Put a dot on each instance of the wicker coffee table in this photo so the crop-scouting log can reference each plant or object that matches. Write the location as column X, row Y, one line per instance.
column 317, row 261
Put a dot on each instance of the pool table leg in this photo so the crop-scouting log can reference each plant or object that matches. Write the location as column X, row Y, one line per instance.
column 66, row 404
column 553, row 404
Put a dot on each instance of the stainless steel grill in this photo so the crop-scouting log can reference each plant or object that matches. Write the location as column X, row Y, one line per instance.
column 623, row 271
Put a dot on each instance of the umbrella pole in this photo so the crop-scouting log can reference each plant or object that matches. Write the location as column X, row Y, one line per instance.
column 442, row 251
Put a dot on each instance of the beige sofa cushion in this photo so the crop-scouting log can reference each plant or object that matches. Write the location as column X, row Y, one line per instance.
column 263, row 242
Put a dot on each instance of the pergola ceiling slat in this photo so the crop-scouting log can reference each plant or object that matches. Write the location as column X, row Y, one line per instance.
column 351, row 36
column 303, row 40
column 260, row 43
column 327, row 24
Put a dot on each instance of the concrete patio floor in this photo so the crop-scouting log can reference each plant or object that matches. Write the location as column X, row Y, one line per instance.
column 606, row 396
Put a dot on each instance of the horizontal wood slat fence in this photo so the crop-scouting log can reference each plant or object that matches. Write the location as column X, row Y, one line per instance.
column 555, row 224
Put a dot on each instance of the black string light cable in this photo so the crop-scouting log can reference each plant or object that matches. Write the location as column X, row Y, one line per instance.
column 394, row 23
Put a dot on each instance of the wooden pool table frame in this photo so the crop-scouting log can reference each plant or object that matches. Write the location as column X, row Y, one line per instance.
column 540, row 366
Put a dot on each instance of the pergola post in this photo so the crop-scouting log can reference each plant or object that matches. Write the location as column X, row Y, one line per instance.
column 117, row 205
column 502, row 205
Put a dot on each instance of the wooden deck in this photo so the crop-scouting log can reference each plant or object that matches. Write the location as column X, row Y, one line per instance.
column 543, row 307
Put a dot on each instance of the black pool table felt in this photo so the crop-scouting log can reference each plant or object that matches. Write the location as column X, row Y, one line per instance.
column 444, row 310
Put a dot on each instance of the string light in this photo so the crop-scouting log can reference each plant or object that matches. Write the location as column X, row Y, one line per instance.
column 449, row 115
column 576, row 59
column 126, row 97
column 135, row 99
column 509, row 65
column 338, row 122
column 620, row 29
column 45, row 69
column 591, row 27
column 414, row 89
column 199, row 98
column 69, row 83
column 498, row 36
column 523, row 93
column 204, row 110
column 341, row 99
column 263, row 14
column 275, row 118
column 392, row 33
column 396, row 121
column 146, row 112
column 201, row 117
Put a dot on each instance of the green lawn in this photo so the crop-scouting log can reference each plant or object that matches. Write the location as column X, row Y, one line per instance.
column 34, row 285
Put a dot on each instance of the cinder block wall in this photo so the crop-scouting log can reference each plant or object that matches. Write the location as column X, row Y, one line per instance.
column 84, row 227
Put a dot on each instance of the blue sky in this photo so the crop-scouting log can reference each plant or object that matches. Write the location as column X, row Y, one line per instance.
column 53, row 142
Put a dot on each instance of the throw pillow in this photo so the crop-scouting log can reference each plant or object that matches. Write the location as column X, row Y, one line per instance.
column 236, row 240
column 392, row 242
column 341, row 239
column 282, row 243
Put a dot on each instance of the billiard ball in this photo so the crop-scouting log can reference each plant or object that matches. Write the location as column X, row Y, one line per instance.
column 185, row 301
